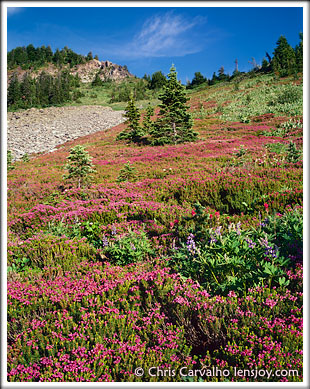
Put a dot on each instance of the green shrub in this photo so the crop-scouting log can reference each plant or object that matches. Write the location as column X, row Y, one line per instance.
column 127, row 173
column 79, row 166
column 293, row 155
column 9, row 161
column 130, row 248
column 239, row 259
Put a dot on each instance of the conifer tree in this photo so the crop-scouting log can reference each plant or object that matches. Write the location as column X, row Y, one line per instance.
column 133, row 132
column 28, row 91
column 265, row 65
column 284, row 60
column 79, row 166
column 299, row 54
column 197, row 80
column 14, row 92
column 147, row 123
column 174, row 124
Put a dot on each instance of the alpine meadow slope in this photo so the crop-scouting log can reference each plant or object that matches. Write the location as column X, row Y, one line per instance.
column 185, row 257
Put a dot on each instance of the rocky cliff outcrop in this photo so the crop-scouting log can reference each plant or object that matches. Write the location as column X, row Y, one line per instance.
column 106, row 70
column 87, row 71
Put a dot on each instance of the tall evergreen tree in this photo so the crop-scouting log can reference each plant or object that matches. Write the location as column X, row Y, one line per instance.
column 299, row 54
column 213, row 80
column 28, row 92
column 174, row 124
column 197, row 80
column 79, row 166
column 134, row 131
column 158, row 80
column 49, row 54
column 284, row 60
column 148, row 123
column 265, row 65
column 14, row 92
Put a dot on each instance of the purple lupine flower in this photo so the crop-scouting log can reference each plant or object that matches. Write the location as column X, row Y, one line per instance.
column 191, row 245
column 174, row 247
column 105, row 241
column 113, row 232
column 212, row 239
column 218, row 231
column 250, row 243
column 269, row 250
column 265, row 222
column 238, row 228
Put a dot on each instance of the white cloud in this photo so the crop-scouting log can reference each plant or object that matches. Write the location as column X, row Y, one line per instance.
column 163, row 36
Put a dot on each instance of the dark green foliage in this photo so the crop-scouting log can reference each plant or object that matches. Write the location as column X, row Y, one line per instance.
column 197, row 80
column 44, row 91
column 133, row 132
column 147, row 123
column 158, row 80
column 293, row 155
column 28, row 92
column 287, row 233
column 284, row 59
column 265, row 66
column 9, row 161
column 213, row 80
column 239, row 259
column 123, row 91
column 25, row 158
column 174, row 124
column 299, row 54
column 221, row 75
column 92, row 232
column 290, row 94
column 132, row 247
column 29, row 56
column 77, row 95
column 127, row 173
column 147, row 78
column 14, row 92
column 18, row 265
column 79, row 166
column 97, row 80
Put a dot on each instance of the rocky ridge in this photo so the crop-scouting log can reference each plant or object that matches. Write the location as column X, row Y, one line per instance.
column 86, row 71
column 41, row 130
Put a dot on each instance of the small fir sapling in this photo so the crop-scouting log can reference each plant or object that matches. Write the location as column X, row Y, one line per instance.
column 80, row 166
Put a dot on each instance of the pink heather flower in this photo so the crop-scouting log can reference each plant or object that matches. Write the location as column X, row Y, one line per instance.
column 217, row 214
column 193, row 213
column 266, row 206
column 232, row 294
column 211, row 216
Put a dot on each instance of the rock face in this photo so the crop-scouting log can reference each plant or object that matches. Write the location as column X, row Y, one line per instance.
column 106, row 69
column 87, row 71
column 41, row 130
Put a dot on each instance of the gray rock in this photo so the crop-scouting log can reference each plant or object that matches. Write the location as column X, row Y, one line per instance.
column 41, row 130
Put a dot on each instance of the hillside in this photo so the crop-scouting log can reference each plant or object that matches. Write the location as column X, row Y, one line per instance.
column 86, row 71
column 185, row 256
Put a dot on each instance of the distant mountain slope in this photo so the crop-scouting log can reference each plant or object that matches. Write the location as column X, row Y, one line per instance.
column 34, row 61
column 86, row 71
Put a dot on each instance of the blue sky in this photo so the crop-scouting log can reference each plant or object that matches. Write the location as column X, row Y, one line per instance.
column 148, row 39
